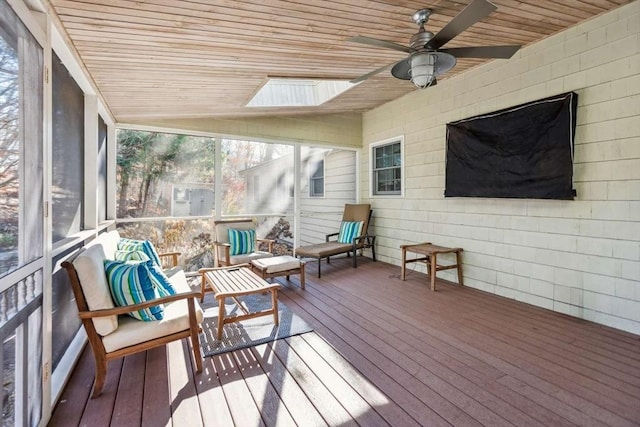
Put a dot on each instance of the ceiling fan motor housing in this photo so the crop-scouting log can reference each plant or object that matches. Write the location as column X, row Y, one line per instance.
column 420, row 39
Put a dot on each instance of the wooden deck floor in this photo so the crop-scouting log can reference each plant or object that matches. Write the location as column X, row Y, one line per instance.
column 383, row 352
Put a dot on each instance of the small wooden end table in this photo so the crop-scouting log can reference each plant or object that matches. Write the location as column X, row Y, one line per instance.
column 233, row 282
column 431, row 252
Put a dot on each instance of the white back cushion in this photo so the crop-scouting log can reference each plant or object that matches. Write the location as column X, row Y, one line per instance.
column 90, row 268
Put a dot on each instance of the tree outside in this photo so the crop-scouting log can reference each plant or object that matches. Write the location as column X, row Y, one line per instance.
column 9, row 157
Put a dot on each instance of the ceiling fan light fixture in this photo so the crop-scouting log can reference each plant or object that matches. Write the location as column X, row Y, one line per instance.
column 426, row 66
column 423, row 67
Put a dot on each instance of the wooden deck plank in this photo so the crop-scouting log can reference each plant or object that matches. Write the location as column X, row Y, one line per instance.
column 379, row 373
column 211, row 398
column 185, row 408
column 586, row 397
column 99, row 411
column 155, row 411
column 127, row 409
column 387, row 408
column 437, row 350
column 569, row 389
column 363, row 314
column 410, row 372
column 327, row 405
column 353, row 403
column 242, row 406
column 292, row 396
column 437, row 365
column 560, row 354
column 273, row 411
column 384, row 351
column 75, row 395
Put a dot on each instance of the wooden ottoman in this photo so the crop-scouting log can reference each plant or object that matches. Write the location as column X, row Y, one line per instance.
column 284, row 265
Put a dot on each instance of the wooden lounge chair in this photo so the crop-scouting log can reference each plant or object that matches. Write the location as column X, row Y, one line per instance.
column 332, row 246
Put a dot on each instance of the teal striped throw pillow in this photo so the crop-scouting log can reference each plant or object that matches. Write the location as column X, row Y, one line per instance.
column 132, row 284
column 242, row 241
column 145, row 246
column 349, row 230
column 160, row 280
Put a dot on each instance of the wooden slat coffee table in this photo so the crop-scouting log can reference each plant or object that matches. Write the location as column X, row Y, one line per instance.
column 233, row 282
column 431, row 252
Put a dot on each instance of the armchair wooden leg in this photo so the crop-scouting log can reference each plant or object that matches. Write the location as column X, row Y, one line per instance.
column 101, row 374
column 195, row 339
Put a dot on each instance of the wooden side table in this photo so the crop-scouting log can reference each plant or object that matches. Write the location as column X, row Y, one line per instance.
column 431, row 252
column 233, row 282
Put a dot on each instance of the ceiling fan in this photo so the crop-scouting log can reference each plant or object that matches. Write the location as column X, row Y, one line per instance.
column 426, row 59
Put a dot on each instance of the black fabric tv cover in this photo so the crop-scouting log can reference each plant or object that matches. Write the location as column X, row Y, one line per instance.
column 524, row 151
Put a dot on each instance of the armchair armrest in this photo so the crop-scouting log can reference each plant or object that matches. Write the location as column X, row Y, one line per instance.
column 330, row 235
column 367, row 239
column 174, row 257
column 226, row 252
column 134, row 307
column 267, row 241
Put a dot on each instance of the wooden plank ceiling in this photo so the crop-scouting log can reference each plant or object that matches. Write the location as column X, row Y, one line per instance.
column 156, row 59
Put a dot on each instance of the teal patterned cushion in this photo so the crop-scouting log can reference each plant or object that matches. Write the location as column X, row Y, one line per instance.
column 242, row 241
column 136, row 283
column 349, row 230
column 145, row 246
column 121, row 255
column 164, row 286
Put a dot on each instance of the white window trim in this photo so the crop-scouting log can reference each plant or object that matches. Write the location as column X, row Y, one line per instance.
column 372, row 147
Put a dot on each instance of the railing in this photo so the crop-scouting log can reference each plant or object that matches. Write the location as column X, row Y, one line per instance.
column 20, row 314
column 194, row 237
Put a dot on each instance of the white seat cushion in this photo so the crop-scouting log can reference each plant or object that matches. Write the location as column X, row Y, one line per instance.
column 247, row 258
column 176, row 319
column 277, row 264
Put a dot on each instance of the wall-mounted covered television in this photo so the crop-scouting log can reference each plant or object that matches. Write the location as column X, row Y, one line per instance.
column 525, row 151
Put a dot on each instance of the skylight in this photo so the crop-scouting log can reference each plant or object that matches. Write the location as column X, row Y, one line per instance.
column 282, row 92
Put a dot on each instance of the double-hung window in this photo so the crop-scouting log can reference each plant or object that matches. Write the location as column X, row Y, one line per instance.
column 386, row 167
column 316, row 180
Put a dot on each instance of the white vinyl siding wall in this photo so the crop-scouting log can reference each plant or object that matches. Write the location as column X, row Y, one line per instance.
column 578, row 257
column 322, row 216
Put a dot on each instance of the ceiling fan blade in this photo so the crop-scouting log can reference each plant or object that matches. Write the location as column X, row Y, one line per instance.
column 503, row 52
column 369, row 74
column 380, row 43
column 372, row 73
column 471, row 14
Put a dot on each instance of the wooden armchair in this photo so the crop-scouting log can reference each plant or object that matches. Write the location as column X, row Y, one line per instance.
column 112, row 333
column 224, row 251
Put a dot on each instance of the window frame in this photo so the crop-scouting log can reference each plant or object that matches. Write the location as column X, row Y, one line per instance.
column 373, row 191
column 313, row 179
